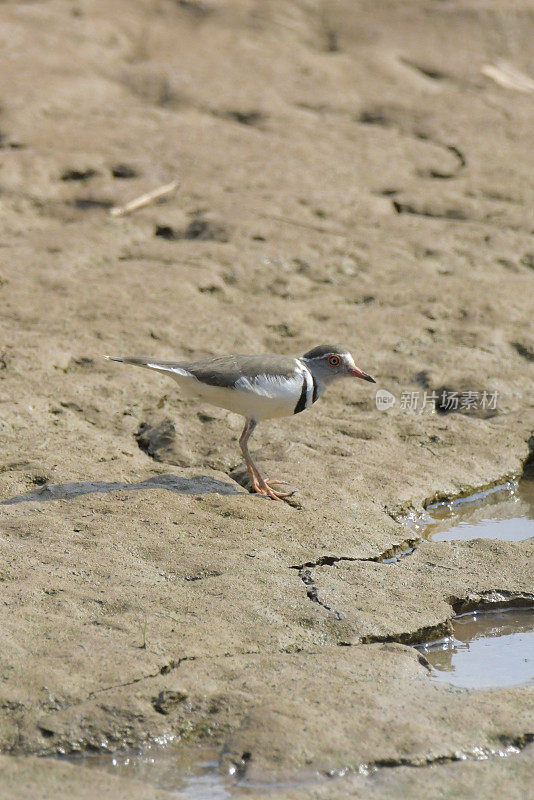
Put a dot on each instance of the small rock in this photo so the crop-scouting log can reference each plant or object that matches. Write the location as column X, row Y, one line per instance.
column 124, row 171
column 207, row 228
column 155, row 439
column 78, row 174
column 81, row 363
column 167, row 700
column 245, row 117
column 525, row 348
column 166, row 232
column 161, row 443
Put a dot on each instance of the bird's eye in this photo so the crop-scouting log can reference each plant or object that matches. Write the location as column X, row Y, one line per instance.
column 334, row 361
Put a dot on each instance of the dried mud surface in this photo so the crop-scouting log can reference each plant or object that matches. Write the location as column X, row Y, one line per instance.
column 347, row 173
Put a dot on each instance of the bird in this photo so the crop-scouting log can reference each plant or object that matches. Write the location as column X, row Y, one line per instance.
column 258, row 387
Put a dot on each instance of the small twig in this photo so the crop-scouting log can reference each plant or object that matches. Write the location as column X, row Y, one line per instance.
column 144, row 199
column 507, row 76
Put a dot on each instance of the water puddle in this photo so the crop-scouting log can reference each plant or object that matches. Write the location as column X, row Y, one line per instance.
column 505, row 512
column 188, row 772
column 487, row 649
column 194, row 773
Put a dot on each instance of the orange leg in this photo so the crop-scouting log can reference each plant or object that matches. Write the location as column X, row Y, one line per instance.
column 259, row 484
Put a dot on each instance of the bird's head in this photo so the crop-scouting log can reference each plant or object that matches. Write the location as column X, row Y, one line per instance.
column 328, row 362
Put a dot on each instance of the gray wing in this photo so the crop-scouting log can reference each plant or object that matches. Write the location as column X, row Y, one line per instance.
column 225, row 371
column 222, row 371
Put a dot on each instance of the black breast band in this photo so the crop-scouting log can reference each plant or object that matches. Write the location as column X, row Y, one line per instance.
column 301, row 404
column 309, row 393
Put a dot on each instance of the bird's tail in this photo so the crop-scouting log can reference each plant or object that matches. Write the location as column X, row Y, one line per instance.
column 166, row 367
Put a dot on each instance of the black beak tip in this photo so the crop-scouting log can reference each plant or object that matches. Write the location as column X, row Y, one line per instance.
column 370, row 379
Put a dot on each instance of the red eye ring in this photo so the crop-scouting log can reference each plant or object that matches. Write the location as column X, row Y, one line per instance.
column 334, row 361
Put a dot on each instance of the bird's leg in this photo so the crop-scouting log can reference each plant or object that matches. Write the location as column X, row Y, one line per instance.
column 258, row 483
column 251, row 467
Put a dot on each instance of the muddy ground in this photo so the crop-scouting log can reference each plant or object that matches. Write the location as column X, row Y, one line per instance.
column 347, row 172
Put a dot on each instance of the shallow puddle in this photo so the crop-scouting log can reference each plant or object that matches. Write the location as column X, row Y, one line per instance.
column 505, row 512
column 188, row 772
column 487, row 649
column 193, row 773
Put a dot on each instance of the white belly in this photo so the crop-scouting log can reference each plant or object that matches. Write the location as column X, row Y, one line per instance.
column 264, row 397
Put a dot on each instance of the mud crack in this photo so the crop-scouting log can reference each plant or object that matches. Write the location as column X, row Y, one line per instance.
column 163, row 670
column 391, row 555
column 312, row 592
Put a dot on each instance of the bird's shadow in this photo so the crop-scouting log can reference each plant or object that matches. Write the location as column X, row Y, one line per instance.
column 198, row 484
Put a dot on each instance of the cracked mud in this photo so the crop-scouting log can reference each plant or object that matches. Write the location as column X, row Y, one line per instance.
column 326, row 192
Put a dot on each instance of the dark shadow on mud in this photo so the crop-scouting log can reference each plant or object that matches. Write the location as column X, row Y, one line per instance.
column 198, row 484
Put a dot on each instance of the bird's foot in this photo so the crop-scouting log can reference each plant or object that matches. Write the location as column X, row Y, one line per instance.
column 266, row 488
column 279, row 495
